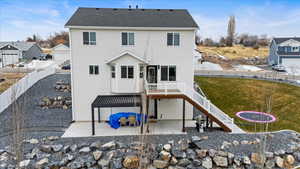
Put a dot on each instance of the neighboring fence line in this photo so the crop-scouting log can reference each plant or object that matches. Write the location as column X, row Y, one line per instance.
column 257, row 75
column 21, row 86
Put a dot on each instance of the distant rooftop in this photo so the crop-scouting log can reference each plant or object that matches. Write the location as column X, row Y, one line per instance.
column 132, row 17
column 283, row 39
column 21, row 45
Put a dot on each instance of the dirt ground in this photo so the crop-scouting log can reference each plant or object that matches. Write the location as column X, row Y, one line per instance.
column 9, row 79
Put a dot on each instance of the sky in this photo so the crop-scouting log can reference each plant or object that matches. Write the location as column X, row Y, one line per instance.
column 22, row 18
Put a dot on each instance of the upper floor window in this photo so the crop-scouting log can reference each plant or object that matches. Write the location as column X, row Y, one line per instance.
column 141, row 71
column 127, row 72
column 173, row 39
column 94, row 69
column 89, row 38
column 168, row 73
column 127, row 38
column 295, row 49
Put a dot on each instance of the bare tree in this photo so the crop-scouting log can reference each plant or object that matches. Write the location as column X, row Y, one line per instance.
column 17, row 123
column 230, row 31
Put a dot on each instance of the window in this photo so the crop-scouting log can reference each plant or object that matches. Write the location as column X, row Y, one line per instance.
column 123, row 71
column 127, row 38
column 295, row 49
column 168, row 73
column 94, row 69
column 113, row 71
column 130, row 72
column 89, row 38
column 164, row 73
column 127, row 72
column 141, row 71
column 173, row 39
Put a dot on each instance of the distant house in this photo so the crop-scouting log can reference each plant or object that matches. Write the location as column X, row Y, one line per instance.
column 12, row 52
column 285, row 51
column 61, row 53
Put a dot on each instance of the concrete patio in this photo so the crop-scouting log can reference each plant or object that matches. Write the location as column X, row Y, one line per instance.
column 84, row 129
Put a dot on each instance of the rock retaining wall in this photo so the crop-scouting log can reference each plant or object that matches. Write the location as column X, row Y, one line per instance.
column 186, row 153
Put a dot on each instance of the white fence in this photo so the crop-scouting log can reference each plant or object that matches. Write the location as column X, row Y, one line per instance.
column 16, row 90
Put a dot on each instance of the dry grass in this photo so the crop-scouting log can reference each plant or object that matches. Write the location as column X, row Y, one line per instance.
column 234, row 95
column 10, row 79
column 235, row 52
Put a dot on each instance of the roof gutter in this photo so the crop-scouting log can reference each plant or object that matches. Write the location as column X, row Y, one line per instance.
column 130, row 28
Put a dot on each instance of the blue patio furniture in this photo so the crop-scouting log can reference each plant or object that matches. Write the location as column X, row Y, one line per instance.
column 114, row 118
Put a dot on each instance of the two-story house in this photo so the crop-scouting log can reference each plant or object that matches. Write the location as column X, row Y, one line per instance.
column 117, row 54
column 285, row 51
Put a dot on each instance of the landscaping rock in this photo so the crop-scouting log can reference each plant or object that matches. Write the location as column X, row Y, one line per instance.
column 246, row 160
column 24, row 163
column 108, row 146
column 279, row 161
column 165, row 155
column 97, row 155
column 160, row 164
column 184, row 162
column 257, row 158
column 116, row 163
column 46, row 148
column 178, row 153
column 289, row 160
column 167, row 147
column 270, row 164
column 57, row 148
column 201, row 153
column 131, row 162
column 42, row 163
column 220, row 161
column 85, row 150
column 207, row 163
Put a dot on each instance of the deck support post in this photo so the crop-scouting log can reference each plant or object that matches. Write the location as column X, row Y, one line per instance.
column 142, row 119
column 98, row 114
column 211, row 124
column 147, row 112
column 183, row 115
column 93, row 121
column 207, row 122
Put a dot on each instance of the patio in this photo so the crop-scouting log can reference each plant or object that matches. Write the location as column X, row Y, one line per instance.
column 83, row 129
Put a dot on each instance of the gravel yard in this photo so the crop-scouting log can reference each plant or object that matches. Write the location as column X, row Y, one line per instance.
column 39, row 122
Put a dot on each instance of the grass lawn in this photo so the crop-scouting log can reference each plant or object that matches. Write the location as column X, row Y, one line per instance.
column 10, row 79
column 233, row 95
column 236, row 52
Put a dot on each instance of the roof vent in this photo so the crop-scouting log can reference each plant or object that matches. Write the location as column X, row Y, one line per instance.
column 115, row 9
column 171, row 10
column 97, row 8
column 142, row 9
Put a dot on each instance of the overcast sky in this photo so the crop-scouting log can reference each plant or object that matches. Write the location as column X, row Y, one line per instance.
column 22, row 18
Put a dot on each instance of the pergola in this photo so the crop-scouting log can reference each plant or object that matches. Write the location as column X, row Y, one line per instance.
column 108, row 101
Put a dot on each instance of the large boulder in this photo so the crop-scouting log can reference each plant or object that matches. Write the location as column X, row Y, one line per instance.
column 97, row 155
column 257, row 158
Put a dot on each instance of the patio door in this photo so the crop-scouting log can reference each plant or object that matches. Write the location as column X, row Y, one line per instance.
column 152, row 74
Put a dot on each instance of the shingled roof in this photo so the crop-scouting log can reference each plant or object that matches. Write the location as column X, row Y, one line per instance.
column 23, row 46
column 283, row 39
column 127, row 17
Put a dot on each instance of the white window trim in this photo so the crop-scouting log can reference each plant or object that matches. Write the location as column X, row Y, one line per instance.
column 127, row 71
column 168, row 72
column 89, row 33
column 173, row 39
column 128, row 39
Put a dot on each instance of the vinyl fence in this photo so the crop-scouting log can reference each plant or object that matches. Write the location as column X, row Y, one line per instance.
column 16, row 90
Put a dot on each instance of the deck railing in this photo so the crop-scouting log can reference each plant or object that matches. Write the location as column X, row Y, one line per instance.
column 171, row 88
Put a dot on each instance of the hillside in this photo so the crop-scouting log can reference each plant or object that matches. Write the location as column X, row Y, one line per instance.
column 235, row 52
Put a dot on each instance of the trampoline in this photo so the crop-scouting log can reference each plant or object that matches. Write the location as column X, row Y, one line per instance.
column 256, row 117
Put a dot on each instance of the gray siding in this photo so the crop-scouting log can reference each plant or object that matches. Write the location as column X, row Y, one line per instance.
column 33, row 52
column 273, row 57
